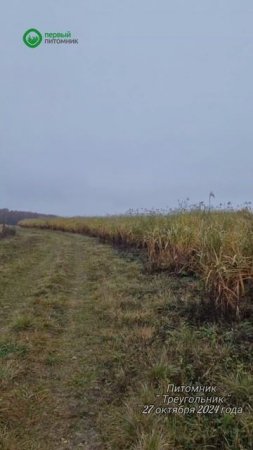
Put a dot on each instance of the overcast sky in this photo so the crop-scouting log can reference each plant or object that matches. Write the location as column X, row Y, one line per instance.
column 155, row 104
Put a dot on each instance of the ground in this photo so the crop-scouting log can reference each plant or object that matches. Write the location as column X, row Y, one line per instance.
column 89, row 337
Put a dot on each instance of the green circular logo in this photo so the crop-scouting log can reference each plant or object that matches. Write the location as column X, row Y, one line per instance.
column 32, row 38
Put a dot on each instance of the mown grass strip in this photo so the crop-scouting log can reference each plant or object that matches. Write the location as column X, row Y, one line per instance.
column 107, row 338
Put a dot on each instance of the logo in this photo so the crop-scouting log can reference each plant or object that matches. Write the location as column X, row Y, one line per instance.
column 32, row 38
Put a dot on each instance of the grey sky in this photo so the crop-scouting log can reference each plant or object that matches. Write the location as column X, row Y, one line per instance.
column 155, row 104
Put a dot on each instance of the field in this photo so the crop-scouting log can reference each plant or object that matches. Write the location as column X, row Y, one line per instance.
column 92, row 334
column 217, row 247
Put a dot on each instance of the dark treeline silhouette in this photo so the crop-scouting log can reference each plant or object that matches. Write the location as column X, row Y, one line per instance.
column 9, row 217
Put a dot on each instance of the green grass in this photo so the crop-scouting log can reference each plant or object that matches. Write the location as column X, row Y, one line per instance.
column 8, row 348
column 99, row 338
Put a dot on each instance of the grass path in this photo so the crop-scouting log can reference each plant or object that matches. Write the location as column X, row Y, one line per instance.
column 88, row 338
column 50, row 335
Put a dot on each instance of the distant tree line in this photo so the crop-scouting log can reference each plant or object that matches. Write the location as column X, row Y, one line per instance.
column 9, row 217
